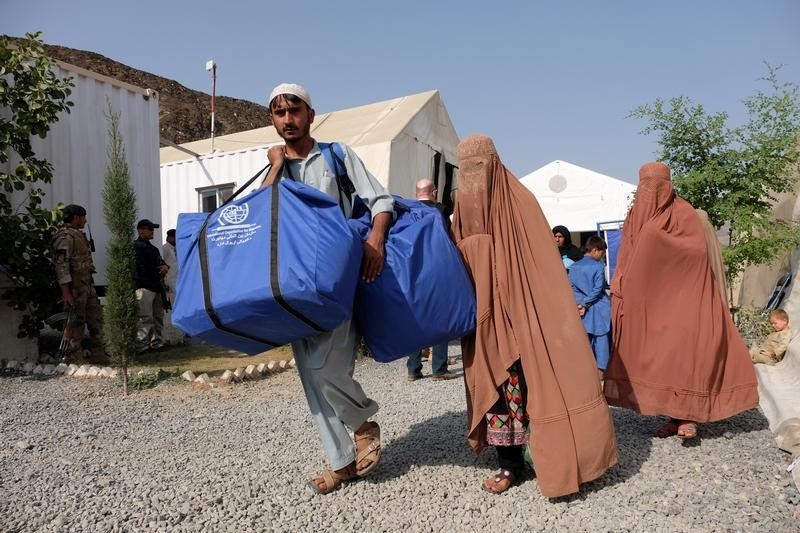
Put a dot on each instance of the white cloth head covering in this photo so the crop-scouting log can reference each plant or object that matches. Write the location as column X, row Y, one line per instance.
column 291, row 88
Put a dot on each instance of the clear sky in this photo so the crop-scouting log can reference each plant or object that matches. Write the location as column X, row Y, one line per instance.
column 546, row 79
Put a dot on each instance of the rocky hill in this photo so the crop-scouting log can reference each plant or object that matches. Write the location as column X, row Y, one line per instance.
column 184, row 114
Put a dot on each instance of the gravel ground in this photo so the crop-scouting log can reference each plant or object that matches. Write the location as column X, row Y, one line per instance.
column 77, row 456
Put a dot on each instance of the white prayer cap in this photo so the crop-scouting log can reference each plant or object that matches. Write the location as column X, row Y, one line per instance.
column 291, row 88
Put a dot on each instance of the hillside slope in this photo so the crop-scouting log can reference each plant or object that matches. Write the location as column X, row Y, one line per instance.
column 184, row 114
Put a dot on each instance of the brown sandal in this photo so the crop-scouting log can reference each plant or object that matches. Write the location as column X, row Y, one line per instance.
column 370, row 449
column 500, row 482
column 332, row 479
column 668, row 430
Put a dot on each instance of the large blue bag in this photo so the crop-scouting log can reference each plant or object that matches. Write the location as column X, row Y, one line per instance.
column 272, row 267
column 424, row 295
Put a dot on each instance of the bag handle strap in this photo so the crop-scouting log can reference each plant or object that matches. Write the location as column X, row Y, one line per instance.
column 274, row 262
column 246, row 185
column 334, row 156
column 204, row 275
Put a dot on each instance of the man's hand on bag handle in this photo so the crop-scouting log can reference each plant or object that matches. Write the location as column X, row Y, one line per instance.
column 275, row 155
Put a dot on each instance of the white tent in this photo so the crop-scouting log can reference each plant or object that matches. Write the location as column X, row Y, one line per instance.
column 578, row 198
column 400, row 141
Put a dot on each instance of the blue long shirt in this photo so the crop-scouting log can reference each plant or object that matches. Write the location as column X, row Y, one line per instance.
column 588, row 280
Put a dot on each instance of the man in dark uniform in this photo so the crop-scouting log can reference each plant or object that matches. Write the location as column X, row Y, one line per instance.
column 72, row 256
column 150, row 293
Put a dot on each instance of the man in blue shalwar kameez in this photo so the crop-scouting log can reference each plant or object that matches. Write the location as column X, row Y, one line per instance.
column 588, row 280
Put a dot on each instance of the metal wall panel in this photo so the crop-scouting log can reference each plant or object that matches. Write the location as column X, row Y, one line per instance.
column 76, row 146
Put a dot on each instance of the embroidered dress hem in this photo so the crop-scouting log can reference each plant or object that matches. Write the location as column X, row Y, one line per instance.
column 506, row 437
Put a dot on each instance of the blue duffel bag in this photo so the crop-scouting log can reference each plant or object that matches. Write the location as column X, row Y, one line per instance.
column 272, row 267
column 423, row 296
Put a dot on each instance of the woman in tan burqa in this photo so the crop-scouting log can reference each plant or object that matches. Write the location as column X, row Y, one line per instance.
column 676, row 351
column 529, row 371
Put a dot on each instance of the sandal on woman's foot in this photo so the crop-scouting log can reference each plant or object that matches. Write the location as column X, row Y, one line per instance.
column 500, row 482
column 332, row 479
column 667, row 430
column 368, row 448
column 687, row 430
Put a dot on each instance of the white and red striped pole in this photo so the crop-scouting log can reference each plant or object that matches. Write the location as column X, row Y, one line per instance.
column 210, row 65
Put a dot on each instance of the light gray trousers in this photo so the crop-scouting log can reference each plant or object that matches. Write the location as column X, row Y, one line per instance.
column 337, row 402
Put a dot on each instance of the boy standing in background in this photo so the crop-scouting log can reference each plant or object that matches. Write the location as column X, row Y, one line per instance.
column 588, row 280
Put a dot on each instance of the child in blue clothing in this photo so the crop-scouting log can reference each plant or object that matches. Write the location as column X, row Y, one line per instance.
column 588, row 280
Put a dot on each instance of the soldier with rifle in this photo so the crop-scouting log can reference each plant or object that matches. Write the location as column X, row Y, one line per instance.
column 72, row 255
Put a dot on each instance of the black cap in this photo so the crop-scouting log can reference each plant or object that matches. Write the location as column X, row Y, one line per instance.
column 170, row 233
column 73, row 210
column 144, row 223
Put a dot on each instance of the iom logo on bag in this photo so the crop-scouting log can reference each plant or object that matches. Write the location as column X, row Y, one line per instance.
column 232, row 230
column 234, row 214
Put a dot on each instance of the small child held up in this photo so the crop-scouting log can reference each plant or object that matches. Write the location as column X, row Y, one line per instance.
column 774, row 346
column 588, row 280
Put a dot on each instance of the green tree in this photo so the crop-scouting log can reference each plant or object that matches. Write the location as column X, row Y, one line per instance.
column 31, row 98
column 119, row 210
column 735, row 173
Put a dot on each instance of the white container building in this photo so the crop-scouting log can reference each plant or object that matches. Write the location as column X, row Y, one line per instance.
column 76, row 147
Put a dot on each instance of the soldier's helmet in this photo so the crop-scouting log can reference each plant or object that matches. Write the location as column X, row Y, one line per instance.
column 73, row 210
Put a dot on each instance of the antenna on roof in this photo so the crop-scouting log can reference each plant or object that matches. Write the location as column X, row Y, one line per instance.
column 210, row 65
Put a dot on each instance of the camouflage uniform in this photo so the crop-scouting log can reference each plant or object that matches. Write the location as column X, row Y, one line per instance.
column 73, row 260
